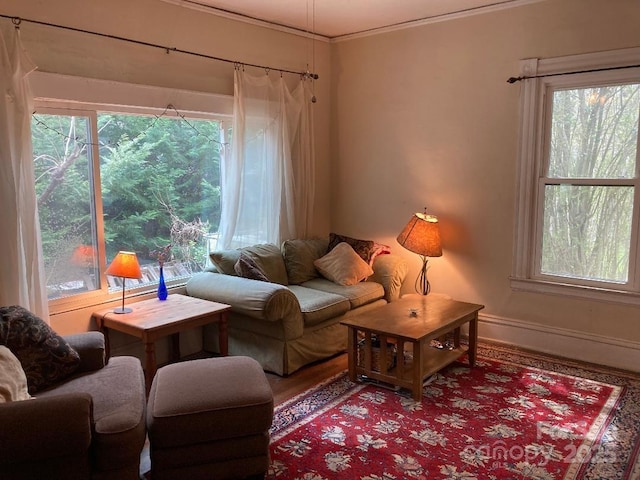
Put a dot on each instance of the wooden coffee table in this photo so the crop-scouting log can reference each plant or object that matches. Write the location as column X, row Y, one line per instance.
column 153, row 319
column 381, row 335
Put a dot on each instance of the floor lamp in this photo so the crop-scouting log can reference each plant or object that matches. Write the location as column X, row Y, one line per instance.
column 124, row 265
column 421, row 235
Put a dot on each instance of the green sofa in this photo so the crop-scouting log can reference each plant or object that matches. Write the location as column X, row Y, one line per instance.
column 292, row 317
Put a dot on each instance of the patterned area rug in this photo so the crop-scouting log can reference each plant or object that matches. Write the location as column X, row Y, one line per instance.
column 514, row 416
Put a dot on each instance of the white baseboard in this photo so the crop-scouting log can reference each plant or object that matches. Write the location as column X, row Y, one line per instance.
column 612, row 352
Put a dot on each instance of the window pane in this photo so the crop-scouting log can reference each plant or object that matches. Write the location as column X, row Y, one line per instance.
column 62, row 164
column 594, row 132
column 587, row 232
column 160, row 185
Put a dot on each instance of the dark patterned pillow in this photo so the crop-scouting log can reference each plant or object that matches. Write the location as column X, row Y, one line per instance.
column 45, row 356
column 247, row 267
column 364, row 248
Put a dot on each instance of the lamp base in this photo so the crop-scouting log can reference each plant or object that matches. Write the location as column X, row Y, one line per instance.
column 423, row 287
column 122, row 310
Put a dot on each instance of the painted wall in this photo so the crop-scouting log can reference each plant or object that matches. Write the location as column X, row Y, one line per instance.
column 424, row 117
column 70, row 53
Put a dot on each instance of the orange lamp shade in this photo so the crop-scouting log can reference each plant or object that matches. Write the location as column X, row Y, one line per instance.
column 125, row 265
column 421, row 235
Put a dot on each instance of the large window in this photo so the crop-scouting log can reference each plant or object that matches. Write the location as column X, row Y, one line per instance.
column 578, row 224
column 108, row 181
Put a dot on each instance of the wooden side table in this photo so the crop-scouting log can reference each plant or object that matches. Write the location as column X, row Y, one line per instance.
column 153, row 319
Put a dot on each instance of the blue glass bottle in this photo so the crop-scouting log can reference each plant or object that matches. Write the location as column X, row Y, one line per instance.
column 162, row 287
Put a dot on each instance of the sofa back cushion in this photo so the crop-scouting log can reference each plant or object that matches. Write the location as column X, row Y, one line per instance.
column 268, row 258
column 299, row 256
column 225, row 260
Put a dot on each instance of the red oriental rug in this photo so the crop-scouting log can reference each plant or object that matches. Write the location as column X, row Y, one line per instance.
column 513, row 416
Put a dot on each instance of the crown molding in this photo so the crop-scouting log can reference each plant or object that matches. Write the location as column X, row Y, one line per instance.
column 437, row 19
column 195, row 5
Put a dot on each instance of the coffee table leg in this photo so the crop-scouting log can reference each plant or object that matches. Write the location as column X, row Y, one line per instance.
column 150, row 363
column 473, row 340
column 417, row 371
column 352, row 347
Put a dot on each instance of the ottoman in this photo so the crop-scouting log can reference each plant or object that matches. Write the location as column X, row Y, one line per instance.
column 210, row 419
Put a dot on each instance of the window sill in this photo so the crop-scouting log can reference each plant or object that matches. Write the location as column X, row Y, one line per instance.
column 576, row 291
column 71, row 304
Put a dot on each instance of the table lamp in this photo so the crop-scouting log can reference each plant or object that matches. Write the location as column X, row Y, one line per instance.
column 125, row 265
column 421, row 235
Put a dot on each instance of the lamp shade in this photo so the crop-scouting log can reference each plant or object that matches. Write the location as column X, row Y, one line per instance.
column 421, row 235
column 125, row 265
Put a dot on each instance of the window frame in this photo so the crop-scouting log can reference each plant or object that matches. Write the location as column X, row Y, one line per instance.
column 63, row 95
column 533, row 155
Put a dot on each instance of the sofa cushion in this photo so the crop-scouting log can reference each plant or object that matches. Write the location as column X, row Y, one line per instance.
column 299, row 256
column 343, row 265
column 225, row 260
column 13, row 381
column 364, row 248
column 247, row 267
column 269, row 259
column 358, row 295
column 45, row 356
column 318, row 306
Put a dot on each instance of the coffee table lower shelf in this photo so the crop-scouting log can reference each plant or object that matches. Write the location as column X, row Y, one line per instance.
column 405, row 374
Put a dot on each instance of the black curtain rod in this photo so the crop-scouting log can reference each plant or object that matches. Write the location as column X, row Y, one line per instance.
column 18, row 20
column 604, row 69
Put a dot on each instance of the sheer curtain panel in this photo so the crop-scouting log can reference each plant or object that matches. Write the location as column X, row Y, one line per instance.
column 268, row 177
column 22, row 279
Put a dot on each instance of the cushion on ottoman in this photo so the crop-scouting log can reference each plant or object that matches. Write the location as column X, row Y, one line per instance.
column 209, row 399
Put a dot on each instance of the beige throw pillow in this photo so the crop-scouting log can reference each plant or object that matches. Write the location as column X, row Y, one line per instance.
column 13, row 381
column 343, row 265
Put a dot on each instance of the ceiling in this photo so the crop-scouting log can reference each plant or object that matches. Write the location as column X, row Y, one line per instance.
column 337, row 18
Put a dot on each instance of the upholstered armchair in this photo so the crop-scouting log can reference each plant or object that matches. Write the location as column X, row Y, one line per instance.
column 88, row 425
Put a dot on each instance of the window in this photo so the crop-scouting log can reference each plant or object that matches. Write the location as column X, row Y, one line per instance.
column 578, row 223
column 109, row 181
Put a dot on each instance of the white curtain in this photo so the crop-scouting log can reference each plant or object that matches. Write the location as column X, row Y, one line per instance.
column 22, row 279
column 268, row 177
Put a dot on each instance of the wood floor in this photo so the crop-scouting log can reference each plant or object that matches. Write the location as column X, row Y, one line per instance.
column 285, row 388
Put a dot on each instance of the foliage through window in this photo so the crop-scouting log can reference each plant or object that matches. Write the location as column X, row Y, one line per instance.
column 579, row 225
column 107, row 182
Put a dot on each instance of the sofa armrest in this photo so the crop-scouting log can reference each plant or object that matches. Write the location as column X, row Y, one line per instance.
column 390, row 271
column 90, row 347
column 44, row 428
column 253, row 298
